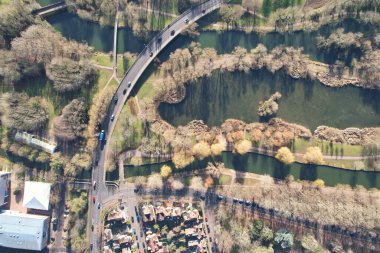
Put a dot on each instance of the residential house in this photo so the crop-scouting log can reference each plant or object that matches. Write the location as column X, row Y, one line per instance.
column 148, row 213
column 36, row 195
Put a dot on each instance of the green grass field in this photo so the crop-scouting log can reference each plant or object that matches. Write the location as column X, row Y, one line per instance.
column 334, row 149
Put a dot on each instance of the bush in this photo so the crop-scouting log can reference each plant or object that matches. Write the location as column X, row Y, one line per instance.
column 243, row 147
column 284, row 239
column 313, row 155
column 310, row 244
column 201, row 150
column 285, row 155
column 217, row 149
column 166, row 170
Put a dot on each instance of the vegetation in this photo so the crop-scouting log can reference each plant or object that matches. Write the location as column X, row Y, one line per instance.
column 166, row 170
column 285, row 155
column 313, row 155
column 72, row 122
column 68, row 75
column 269, row 107
column 243, row 147
column 202, row 150
column 23, row 113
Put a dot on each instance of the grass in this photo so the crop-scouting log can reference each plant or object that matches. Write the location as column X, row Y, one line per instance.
column 124, row 62
column 334, row 149
column 224, row 180
column 4, row 3
column 103, row 59
column 157, row 23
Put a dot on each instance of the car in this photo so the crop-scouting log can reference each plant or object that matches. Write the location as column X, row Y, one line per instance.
column 54, row 221
column 203, row 11
column 241, row 201
column 141, row 234
column 203, row 197
column 172, row 33
column 220, row 197
column 102, row 135
column 91, row 246
column 138, row 219
column 93, row 199
column 136, row 190
column 92, row 227
column 137, row 238
column 94, row 184
column 124, row 91
column 235, row 200
column 186, row 21
column 136, row 210
column 206, row 218
column 210, row 238
column 134, row 231
column 248, row 203
column 151, row 54
column 129, row 84
column 115, row 100
column 112, row 117
column 98, row 205
column 132, row 219
column 138, row 244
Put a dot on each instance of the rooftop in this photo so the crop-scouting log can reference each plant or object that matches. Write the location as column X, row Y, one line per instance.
column 23, row 231
column 36, row 195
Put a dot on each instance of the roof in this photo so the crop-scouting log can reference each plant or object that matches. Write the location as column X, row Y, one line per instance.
column 23, row 231
column 36, row 195
column 4, row 186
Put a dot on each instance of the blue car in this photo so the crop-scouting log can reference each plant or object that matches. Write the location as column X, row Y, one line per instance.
column 134, row 231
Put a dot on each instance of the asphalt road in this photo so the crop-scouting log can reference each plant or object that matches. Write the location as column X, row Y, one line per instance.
column 159, row 42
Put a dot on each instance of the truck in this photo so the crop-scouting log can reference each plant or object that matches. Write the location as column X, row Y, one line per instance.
column 101, row 135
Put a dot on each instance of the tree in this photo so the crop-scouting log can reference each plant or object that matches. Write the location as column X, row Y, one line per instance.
column 269, row 107
column 177, row 185
column 201, row 150
column 166, row 170
column 72, row 122
column 284, row 239
column 182, row 159
column 196, row 183
column 310, row 244
column 313, row 155
column 14, row 18
column 22, row 112
column 10, row 69
column 155, row 181
column 285, row 155
column 266, row 234
column 217, row 149
column 319, row 183
column 243, row 147
column 57, row 163
column 231, row 13
column 68, row 75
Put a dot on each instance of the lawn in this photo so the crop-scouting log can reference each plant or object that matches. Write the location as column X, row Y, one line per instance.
column 4, row 3
column 124, row 62
column 333, row 149
column 103, row 59
column 225, row 180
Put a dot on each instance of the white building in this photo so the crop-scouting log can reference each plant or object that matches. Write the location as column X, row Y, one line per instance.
column 36, row 195
column 23, row 231
column 4, row 187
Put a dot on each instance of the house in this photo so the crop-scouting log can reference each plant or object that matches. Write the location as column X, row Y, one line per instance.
column 191, row 215
column 202, row 246
column 36, row 195
column 124, row 239
column 148, row 213
column 4, row 187
column 164, row 213
column 153, row 244
column 108, row 236
column 116, row 215
column 23, row 231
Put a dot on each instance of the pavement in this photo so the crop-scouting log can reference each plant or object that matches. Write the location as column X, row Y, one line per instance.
column 160, row 41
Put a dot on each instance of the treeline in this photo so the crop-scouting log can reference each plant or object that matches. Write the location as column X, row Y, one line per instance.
column 270, row 6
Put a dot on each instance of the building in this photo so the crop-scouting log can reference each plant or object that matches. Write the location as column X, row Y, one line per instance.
column 36, row 195
column 116, row 215
column 148, row 213
column 4, row 187
column 31, row 140
column 23, row 231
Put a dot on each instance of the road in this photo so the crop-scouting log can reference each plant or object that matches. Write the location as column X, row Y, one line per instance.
column 143, row 60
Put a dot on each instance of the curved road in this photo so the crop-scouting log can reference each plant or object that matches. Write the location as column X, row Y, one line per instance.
column 159, row 42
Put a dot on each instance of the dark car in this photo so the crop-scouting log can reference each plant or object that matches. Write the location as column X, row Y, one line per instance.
column 92, row 227
column 91, row 246
column 138, row 244
column 115, row 100
column 203, row 197
column 235, row 200
column 124, row 91
column 172, row 33
column 151, row 54
column 132, row 219
column 220, row 197
column 203, row 11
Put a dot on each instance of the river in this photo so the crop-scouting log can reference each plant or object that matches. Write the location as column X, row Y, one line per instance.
column 306, row 102
column 266, row 165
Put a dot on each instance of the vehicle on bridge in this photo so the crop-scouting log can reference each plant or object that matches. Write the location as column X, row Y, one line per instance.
column 94, row 185
column 102, row 135
column 93, row 199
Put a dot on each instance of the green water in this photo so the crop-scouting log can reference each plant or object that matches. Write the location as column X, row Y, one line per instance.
column 101, row 38
column 306, row 102
column 265, row 165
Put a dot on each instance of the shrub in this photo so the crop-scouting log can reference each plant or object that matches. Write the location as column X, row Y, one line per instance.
column 243, row 147
column 201, row 150
column 313, row 155
column 285, row 155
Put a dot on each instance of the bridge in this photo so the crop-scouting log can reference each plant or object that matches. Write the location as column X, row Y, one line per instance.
column 51, row 8
column 157, row 44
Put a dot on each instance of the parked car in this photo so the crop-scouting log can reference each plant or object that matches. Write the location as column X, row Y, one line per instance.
column 132, row 219
column 125, row 91
column 235, row 200
column 206, row 218
column 186, row 21
column 98, row 205
column 138, row 219
column 93, row 199
column 94, row 185
column 116, row 99
column 134, row 231
column 92, row 227
column 220, row 197
column 112, row 117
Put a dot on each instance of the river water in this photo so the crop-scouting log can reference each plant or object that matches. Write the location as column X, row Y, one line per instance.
column 306, row 102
